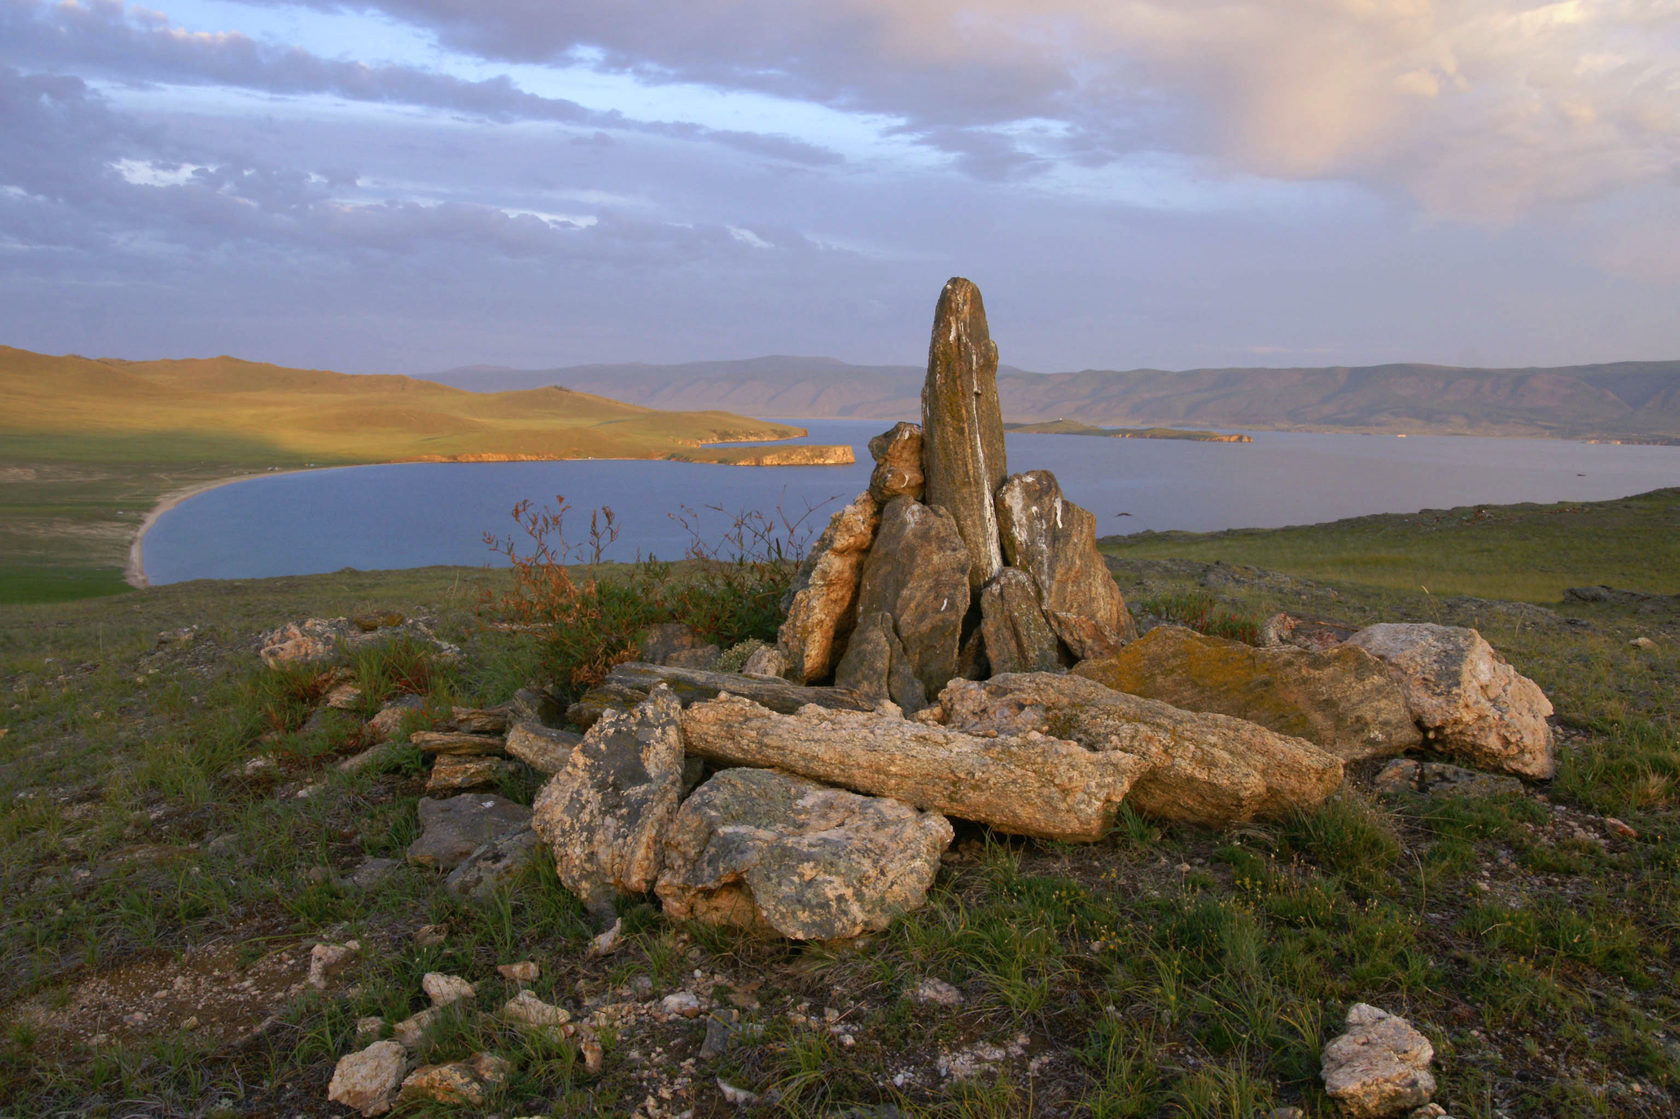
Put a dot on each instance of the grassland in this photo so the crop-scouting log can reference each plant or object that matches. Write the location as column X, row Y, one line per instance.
column 154, row 832
column 87, row 447
column 1074, row 427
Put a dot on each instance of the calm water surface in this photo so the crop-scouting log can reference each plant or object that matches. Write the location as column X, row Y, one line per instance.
column 415, row 514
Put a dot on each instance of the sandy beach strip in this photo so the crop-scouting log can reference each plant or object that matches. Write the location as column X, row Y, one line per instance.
column 134, row 572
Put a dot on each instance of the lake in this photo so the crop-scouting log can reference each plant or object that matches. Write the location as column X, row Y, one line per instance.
column 416, row 514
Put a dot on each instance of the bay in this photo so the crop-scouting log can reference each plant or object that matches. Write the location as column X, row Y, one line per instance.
column 417, row 514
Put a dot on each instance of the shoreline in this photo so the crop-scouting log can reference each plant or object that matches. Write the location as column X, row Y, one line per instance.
column 134, row 571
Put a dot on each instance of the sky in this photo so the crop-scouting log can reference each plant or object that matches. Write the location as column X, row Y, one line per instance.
column 406, row 186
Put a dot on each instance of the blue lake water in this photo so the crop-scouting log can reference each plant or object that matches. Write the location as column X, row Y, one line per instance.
column 415, row 514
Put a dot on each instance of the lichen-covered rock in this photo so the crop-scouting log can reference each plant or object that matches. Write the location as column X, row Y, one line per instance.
column 1016, row 635
column 876, row 667
column 1055, row 541
column 542, row 748
column 1469, row 702
column 822, row 601
column 918, row 573
column 1405, row 775
column 460, row 1083
column 962, row 426
column 606, row 812
column 1343, row 698
column 1379, row 1067
column 898, row 463
column 453, row 773
column 1191, row 766
column 1024, row 783
column 453, row 828
column 758, row 849
column 367, row 1079
column 492, row 866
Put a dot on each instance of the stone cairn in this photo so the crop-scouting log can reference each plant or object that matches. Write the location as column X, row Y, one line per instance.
column 948, row 565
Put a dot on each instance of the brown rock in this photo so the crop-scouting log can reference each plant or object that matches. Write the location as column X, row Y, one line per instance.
column 1055, row 541
column 1024, row 783
column 452, row 829
column 367, row 1080
column 454, row 773
column 455, row 742
column 821, row 604
column 1379, row 1067
column 1190, row 766
column 876, row 667
column 1468, row 700
column 605, row 813
column 1017, row 636
column 460, row 1083
column 544, row 750
column 1405, row 775
column 758, row 849
column 898, row 463
column 478, row 720
column 918, row 573
column 628, row 684
column 1342, row 698
column 962, row 425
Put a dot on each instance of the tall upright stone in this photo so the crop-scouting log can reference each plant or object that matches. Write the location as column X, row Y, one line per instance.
column 962, row 425
column 917, row 574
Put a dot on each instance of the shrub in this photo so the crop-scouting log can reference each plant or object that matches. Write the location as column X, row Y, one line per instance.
column 1201, row 612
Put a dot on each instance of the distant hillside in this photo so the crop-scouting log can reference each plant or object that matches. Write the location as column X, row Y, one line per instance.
column 308, row 414
column 1621, row 400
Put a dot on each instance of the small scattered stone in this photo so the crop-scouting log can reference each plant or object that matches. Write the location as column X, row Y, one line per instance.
column 430, row 936
column 936, row 992
column 721, row 1030
column 368, row 1079
column 374, row 872
column 369, row 1028
column 444, row 989
column 1620, row 828
column 607, row 942
column 385, row 725
column 767, row 661
column 412, row 1029
column 1379, row 1066
column 461, row 1083
column 593, row 1056
column 740, row 1097
column 525, row 971
column 685, row 1003
column 327, row 960
column 1643, row 643
column 529, row 1010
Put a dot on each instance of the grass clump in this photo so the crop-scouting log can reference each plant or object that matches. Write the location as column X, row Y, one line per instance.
column 1202, row 612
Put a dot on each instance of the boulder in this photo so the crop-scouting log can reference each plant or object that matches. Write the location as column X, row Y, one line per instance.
column 1379, row 1066
column 543, row 749
column 918, row 573
column 875, row 665
column 758, row 849
column 1343, row 698
column 368, row 1079
column 677, row 643
column 898, row 463
column 1469, row 702
column 1024, row 783
column 1189, row 766
column 1016, row 635
column 492, row 866
column 628, row 684
column 962, row 426
column 605, row 813
column 822, row 600
column 452, row 829
column 1055, row 541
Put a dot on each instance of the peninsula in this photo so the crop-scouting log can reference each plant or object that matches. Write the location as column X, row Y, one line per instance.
column 1074, row 427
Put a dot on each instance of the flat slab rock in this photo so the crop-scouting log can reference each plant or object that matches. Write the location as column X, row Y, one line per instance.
column 762, row 850
column 1471, row 704
column 1343, row 699
column 1191, row 766
column 1379, row 1066
column 453, row 828
column 629, row 684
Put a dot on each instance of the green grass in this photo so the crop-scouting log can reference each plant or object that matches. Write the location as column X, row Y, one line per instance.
column 1163, row 971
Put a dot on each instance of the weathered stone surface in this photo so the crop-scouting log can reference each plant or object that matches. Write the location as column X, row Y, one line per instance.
column 898, row 463
column 453, row 773
column 822, row 601
column 455, row 742
column 758, row 849
column 1404, row 775
column 765, row 661
column 478, row 720
column 327, row 960
column 443, row 988
column 492, row 865
column 875, row 665
column 1023, row 783
column 962, row 426
column 628, row 684
column 322, row 639
column 677, row 643
column 605, row 813
column 1017, row 636
column 1055, row 541
column 528, row 1010
column 453, row 828
column 367, row 1080
column 1379, row 1067
column 1468, row 700
column 1286, row 629
column 1190, row 766
column 536, row 705
column 385, row 725
column 542, row 748
column 1343, row 699
column 460, row 1083
column 918, row 573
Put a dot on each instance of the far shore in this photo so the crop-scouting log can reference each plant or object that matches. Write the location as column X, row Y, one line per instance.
column 134, row 572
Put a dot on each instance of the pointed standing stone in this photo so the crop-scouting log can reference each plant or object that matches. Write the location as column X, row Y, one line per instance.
column 962, row 425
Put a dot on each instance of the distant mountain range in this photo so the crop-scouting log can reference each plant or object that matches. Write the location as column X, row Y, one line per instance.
column 1630, row 401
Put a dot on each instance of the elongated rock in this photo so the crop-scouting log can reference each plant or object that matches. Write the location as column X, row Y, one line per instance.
column 606, row 812
column 629, row 683
column 821, row 605
column 1017, row 636
column 918, row 573
column 763, row 850
column 962, row 425
column 1055, row 541
column 1193, row 767
column 1341, row 698
column 1028, row 784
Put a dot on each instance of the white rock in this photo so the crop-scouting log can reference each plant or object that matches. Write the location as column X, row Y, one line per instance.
column 367, row 1080
column 936, row 992
column 444, row 989
column 1380, row 1066
column 685, row 1003
column 606, row 943
column 529, row 1010
column 327, row 960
